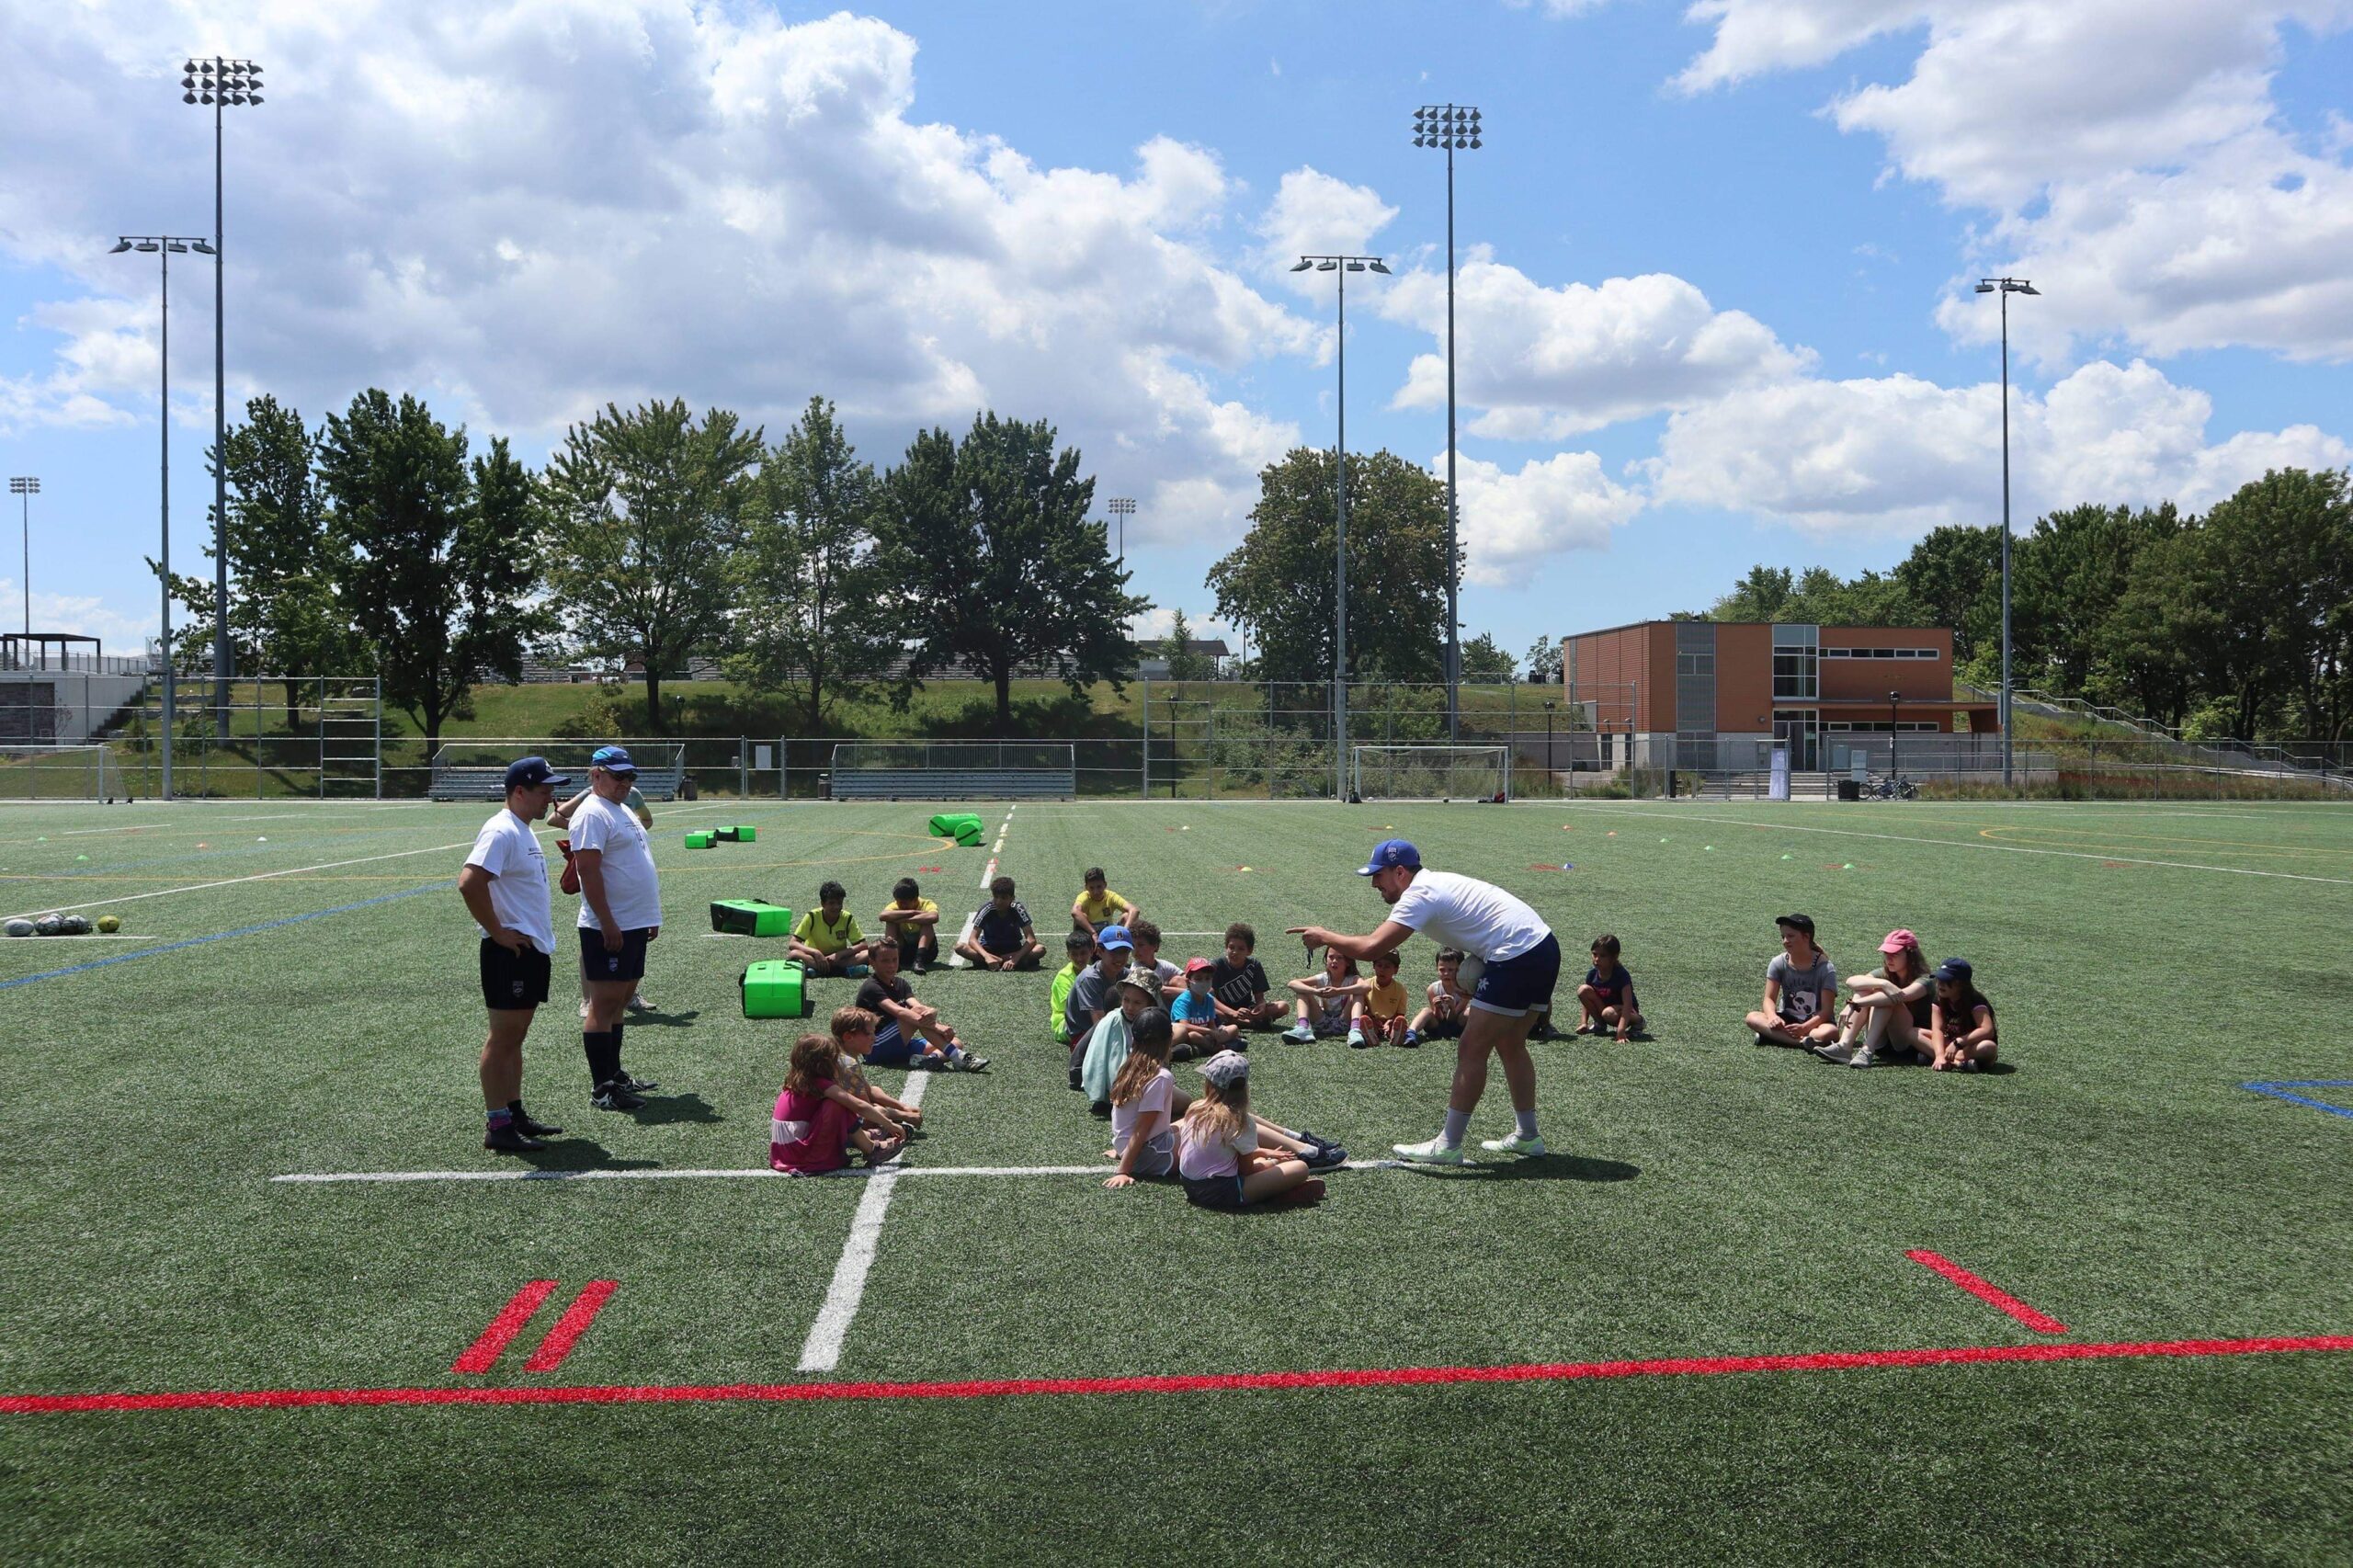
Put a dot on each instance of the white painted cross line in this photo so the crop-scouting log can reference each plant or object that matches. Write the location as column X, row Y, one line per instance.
column 822, row 1350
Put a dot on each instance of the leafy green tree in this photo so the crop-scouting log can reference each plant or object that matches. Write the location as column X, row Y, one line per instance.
column 1953, row 577
column 1763, row 595
column 1279, row 582
column 647, row 507
column 812, row 610
column 1483, row 659
column 1183, row 663
column 434, row 559
column 2272, row 570
column 1545, row 661
column 989, row 543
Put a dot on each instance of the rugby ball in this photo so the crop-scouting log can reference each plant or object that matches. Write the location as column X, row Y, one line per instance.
column 75, row 925
column 49, row 925
column 109, row 924
column 19, row 928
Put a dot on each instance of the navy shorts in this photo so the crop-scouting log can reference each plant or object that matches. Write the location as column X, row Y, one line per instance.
column 1214, row 1192
column 1523, row 985
column 513, row 982
column 891, row 1048
column 596, row 963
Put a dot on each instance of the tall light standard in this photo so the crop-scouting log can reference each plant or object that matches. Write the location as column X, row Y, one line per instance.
column 1343, row 265
column 1449, row 126
column 164, row 247
column 28, row 487
column 2005, row 287
column 219, row 83
column 1122, row 507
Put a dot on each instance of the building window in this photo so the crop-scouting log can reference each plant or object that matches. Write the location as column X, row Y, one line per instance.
column 1695, row 664
column 1796, row 675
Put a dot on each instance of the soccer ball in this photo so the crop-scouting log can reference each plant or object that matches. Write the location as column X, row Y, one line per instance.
column 20, row 927
column 109, row 924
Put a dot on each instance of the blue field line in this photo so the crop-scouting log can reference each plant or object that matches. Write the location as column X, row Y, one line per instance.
column 223, row 936
column 2277, row 1089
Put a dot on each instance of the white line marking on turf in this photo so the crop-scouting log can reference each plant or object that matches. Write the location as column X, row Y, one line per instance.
column 261, row 877
column 746, row 1172
column 1981, row 844
column 822, row 1350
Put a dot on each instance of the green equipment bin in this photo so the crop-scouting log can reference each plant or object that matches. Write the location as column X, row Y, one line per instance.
column 776, row 988
column 750, row 917
column 737, row 834
column 702, row 838
column 965, row 827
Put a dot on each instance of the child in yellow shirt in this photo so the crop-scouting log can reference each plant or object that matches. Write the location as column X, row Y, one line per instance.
column 1380, row 1011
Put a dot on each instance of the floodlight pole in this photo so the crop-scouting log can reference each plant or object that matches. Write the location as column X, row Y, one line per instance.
column 1343, row 264
column 1122, row 507
column 1450, row 126
column 2005, row 287
column 26, row 487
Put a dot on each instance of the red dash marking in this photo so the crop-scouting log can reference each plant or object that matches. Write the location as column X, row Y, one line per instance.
column 2000, row 1300
column 2116, row 864
column 570, row 1327
column 931, row 868
column 1539, row 866
column 503, row 1328
column 1004, row 1388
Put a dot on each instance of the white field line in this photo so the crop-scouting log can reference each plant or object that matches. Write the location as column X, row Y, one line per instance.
column 748, row 1173
column 2008, row 848
column 822, row 1351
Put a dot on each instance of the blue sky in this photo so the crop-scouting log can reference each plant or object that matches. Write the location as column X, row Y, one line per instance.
column 1714, row 305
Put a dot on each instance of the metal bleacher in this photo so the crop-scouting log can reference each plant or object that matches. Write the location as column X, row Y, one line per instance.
column 468, row 773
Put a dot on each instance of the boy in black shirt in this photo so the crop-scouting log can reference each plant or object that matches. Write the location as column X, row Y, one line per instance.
column 1238, row 982
column 909, row 1034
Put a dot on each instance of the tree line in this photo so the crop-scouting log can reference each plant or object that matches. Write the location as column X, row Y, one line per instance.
column 2234, row 624
column 379, row 542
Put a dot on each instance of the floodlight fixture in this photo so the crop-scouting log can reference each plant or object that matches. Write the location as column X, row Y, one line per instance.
column 2005, row 287
column 1454, row 126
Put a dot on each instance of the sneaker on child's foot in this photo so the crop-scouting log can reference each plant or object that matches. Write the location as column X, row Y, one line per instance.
column 1076, row 1085
column 1299, row 1034
column 1411, row 1040
column 1323, row 1156
column 1532, row 1148
column 1436, row 1151
column 857, row 971
column 1835, row 1052
column 1861, row 1059
column 968, row 1063
column 1356, row 1040
column 1100, row 1108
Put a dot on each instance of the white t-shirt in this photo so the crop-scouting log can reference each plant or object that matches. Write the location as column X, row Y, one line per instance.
column 510, row 852
column 1455, row 911
column 630, row 886
column 1160, row 1150
column 1196, row 1158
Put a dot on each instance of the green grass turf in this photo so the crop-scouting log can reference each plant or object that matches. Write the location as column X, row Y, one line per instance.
column 1711, row 1199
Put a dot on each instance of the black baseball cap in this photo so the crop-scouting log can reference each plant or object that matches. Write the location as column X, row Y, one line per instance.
column 1796, row 922
column 530, row 772
column 1955, row 972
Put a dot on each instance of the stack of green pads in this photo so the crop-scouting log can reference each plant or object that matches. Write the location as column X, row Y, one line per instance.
column 964, row 827
column 704, row 839
column 776, row 988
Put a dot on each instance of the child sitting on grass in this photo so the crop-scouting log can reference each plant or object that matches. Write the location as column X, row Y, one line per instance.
column 1106, row 1046
column 1146, row 955
column 1097, row 906
column 1238, row 981
column 911, row 921
column 1380, row 1011
column 816, row 1121
column 1327, row 1002
column 1002, row 938
column 1961, row 1028
column 1079, row 948
column 826, row 939
column 1198, row 1030
column 910, row 1034
column 1608, row 995
column 1441, row 1014
column 1145, row 1101
column 853, row 1030
column 1801, row 990
column 1218, row 1153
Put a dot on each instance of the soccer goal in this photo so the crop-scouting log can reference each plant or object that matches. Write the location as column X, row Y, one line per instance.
column 55, row 773
column 1429, row 773
column 953, row 770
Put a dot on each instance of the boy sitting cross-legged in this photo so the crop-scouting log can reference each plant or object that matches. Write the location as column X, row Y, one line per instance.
column 911, row 920
column 1380, row 1011
column 853, row 1032
column 1238, row 981
column 826, row 939
column 1196, row 1030
column 1002, row 937
column 1441, row 1015
column 907, row 1032
column 1095, row 992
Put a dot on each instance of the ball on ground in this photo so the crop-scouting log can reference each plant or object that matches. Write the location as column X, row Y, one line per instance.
column 109, row 924
column 19, row 928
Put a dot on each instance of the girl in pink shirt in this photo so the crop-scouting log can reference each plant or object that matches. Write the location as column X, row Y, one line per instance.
column 817, row 1120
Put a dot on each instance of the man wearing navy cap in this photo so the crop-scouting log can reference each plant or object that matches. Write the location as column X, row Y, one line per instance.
column 1512, row 960
column 505, row 886
column 620, row 915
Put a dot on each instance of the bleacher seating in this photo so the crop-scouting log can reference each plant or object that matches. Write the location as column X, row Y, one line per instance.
column 954, row 784
column 467, row 783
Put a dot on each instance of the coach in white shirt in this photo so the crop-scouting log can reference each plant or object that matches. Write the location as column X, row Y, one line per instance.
column 620, row 913
column 1511, row 955
column 505, row 886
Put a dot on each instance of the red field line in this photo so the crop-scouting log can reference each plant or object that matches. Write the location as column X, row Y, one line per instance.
column 483, row 1352
column 1999, row 1298
column 570, row 1327
column 1002, row 1388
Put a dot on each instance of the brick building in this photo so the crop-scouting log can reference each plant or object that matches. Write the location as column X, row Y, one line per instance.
column 1726, row 692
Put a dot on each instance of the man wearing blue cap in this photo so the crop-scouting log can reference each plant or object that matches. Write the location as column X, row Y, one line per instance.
column 620, row 915
column 1511, row 959
column 505, row 886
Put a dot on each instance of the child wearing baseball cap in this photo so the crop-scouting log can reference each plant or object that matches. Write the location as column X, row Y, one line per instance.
column 1198, row 1030
column 1219, row 1157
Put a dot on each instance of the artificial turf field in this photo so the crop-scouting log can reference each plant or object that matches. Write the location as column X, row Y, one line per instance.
column 1674, row 1293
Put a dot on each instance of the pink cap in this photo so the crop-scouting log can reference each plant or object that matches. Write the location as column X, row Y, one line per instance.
column 1197, row 966
column 1898, row 941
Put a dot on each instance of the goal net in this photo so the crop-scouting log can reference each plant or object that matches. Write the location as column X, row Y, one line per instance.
column 1429, row 773
column 55, row 773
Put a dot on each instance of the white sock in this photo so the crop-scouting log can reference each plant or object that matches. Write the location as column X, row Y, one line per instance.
column 1457, row 1124
column 1527, row 1119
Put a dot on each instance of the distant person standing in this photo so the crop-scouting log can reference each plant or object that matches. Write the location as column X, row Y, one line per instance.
column 505, row 886
column 621, row 915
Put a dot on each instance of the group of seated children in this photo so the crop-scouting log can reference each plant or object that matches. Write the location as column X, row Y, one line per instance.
column 1937, row 1017
column 828, row 1108
column 1225, row 1156
column 826, row 940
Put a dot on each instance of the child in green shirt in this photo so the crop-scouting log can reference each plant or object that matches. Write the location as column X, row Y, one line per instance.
column 1081, row 949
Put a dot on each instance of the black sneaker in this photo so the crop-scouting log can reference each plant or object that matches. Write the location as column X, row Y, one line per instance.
column 1100, row 1108
column 1181, row 1053
column 634, row 1085
column 613, row 1096
column 1323, row 1156
column 509, row 1140
column 969, row 1063
column 1074, row 1083
column 530, row 1127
